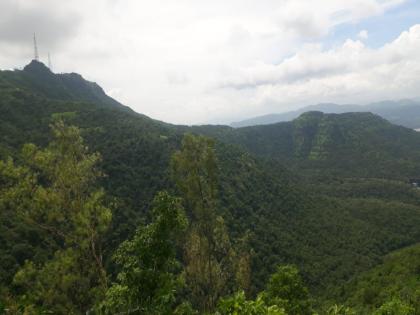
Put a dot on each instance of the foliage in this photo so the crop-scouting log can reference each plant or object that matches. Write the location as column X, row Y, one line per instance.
column 396, row 278
column 285, row 288
column 340, row 310
column 209, row 255
column 147, row 280
column 395, row 307
column 238, row 305
column 54, row 191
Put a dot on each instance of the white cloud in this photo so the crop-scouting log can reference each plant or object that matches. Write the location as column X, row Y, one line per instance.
column 363, row 35
column 349, row 73
column 167, row 59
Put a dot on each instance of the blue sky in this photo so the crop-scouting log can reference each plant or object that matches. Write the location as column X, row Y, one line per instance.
column 382, row 28
column 200, row 61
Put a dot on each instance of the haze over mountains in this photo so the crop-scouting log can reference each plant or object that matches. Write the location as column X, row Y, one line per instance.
column 404, row 112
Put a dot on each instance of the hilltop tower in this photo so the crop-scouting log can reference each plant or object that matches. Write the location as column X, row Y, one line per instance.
column 36, row 56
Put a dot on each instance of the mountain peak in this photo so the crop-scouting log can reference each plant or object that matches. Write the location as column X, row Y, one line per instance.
column 65, row 86
column 311, row 114
column 405, row 112
column 38, row 67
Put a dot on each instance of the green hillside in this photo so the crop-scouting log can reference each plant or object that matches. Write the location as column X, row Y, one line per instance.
column 350, row 145
column 398, row 276
column 37, row 78
column 331, row 231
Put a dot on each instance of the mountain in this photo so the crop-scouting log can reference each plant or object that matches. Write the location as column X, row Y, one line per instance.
column 332, row 230
column 349, row 145
column 405, row 113
column 67, row 86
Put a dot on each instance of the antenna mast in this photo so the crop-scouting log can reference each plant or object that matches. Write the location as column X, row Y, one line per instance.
column 36, row 56
column 49, row 62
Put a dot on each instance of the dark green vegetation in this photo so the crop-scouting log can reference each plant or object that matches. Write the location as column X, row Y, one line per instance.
column 398, row 276
column 350, row 145
column 327, row 193
column 405, row 113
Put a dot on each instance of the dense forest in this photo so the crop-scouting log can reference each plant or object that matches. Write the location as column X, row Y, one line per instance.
column 104, row 210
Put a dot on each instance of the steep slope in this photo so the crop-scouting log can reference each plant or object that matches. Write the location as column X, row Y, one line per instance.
column 405, row 113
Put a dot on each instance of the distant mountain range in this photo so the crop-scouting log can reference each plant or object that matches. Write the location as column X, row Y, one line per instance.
column 404, row 112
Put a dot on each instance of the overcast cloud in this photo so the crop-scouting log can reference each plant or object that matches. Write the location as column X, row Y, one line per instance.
column 195, row 61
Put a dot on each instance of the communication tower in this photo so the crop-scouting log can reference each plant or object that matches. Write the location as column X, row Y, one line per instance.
column 36, row 56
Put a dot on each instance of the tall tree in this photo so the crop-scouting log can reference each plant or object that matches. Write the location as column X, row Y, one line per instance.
column 209, row 257
column 286, row 289
column 55, row 190
column 148, row 278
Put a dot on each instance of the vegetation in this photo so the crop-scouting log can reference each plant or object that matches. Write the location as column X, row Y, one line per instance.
column 321, row 146
column 395, row 279
column 53, row 191
column 148, row 279
column 210, row 267
column 199, row 225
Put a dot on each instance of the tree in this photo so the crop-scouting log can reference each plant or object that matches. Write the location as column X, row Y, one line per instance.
column 285, row 288
column 148, row 281
column 55, row 190
column 395, row 307
column 209, row 256
column 238, row 305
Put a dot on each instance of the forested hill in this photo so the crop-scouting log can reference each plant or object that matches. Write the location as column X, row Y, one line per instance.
column 39, row 79
column 404, row 112
column 331, row 233
column 350, row 144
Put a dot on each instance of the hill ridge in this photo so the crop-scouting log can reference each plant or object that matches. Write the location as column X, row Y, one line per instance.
column 37, row 77
column 404, row 112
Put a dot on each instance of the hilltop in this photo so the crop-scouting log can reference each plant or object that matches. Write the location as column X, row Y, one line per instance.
column 404, row 112
column 348, row 145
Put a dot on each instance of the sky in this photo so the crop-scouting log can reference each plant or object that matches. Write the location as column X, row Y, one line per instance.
column 196, row 61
